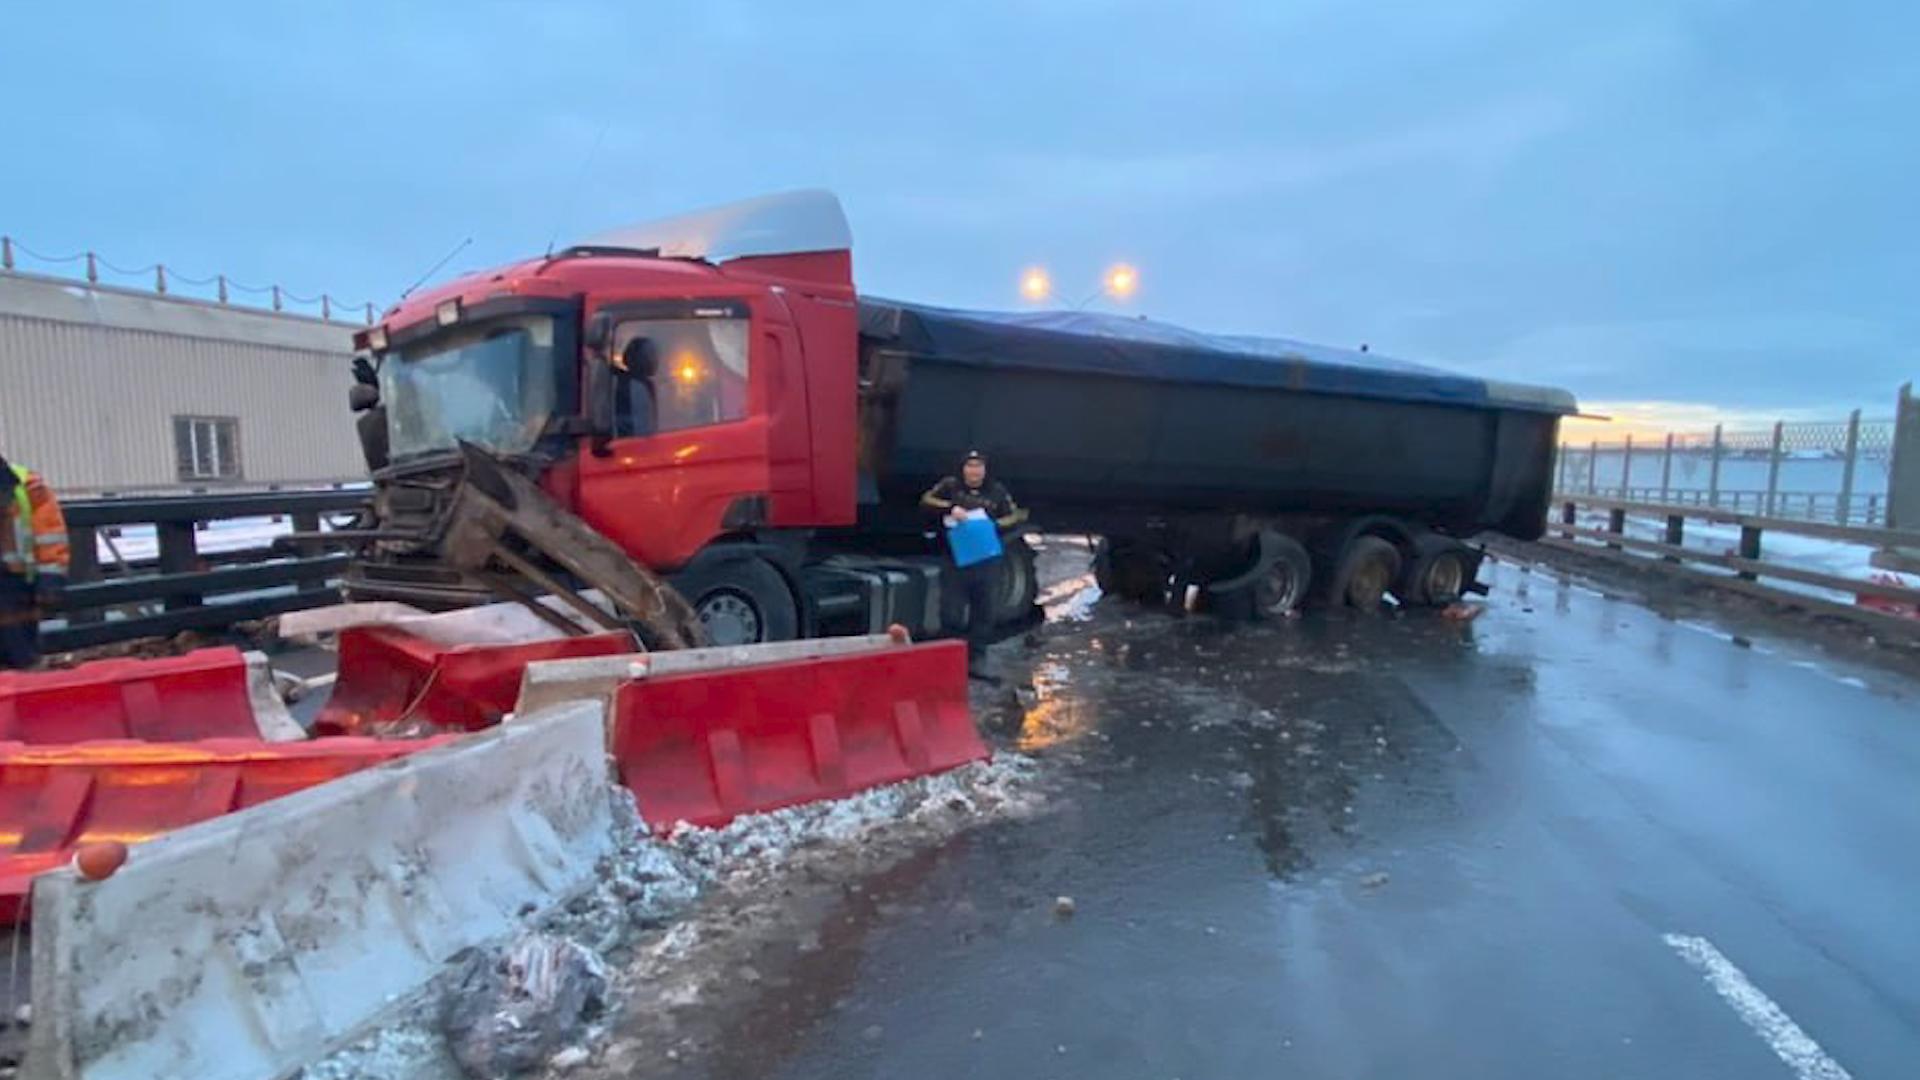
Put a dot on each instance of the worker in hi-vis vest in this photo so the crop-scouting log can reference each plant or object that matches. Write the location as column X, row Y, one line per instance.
column 33, row 562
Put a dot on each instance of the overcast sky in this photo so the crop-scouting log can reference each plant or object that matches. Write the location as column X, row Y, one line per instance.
column 1706, row 204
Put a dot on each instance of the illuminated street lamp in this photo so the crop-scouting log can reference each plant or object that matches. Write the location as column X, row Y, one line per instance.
column 1120, row 282
column 1035, row 285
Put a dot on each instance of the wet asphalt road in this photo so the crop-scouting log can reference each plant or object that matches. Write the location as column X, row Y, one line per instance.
column 1379, row 847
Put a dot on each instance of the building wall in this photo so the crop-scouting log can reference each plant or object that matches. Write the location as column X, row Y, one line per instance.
column 92, row 378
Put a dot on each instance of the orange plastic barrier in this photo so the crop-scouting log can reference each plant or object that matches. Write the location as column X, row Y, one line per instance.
column 54, row 799
column 707, row 746
column 201, row 695
column 392, row 681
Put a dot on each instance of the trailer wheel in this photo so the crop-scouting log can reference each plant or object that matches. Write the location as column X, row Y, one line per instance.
column 1438, row 575
column 1286, row 583
column 741, row 602
column 1368, row 568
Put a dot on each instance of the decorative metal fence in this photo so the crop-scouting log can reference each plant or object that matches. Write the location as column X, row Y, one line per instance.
column 1839, row 471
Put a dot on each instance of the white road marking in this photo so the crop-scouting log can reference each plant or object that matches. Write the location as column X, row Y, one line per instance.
column 1789, row 1043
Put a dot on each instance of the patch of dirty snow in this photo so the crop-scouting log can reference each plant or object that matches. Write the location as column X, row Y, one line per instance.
column 645, row 910
column 750, row 871
column 407, row 1049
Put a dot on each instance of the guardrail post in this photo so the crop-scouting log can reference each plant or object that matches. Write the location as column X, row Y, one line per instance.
column 1593, row 464
column 179, row 554
column 1903, row 475
column 1713, row 470
column 1616, row 524
column 308, row 522
column 1676, row 533
column 1843, row 507
column 1773, row 465
column 83, row 566
column 1626, row 470
column 1749, row 549
column 1666, row 470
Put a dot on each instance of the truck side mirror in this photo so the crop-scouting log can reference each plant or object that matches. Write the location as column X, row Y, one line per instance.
column 599, row 410
column 361, row 397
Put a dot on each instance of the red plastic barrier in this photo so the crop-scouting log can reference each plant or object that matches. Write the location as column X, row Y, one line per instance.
column 201, row 695
column 391, row 681
column 54, row 799
column 1887, row 605
column 707, row 746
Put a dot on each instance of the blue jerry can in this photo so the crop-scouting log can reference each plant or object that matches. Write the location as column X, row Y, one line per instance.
column 974, row 540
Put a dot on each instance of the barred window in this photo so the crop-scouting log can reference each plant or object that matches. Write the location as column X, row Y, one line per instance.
column 207, row 447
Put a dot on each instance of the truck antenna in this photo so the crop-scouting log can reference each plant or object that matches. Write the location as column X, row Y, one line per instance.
column 566, row 208
column 435, row 268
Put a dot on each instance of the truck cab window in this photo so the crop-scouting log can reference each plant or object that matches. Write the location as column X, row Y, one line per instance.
column 700, row 376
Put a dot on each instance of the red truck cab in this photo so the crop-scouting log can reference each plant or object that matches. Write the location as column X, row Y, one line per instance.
column 676, row 383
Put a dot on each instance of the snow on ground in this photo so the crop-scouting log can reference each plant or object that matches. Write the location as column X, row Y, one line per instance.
column 658, row 900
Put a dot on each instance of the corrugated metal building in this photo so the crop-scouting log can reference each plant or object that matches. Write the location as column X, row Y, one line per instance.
column 107, row 389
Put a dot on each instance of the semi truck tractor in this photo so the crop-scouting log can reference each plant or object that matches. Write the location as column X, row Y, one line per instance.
column 709, row 399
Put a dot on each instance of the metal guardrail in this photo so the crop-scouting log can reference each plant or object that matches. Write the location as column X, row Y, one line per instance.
column 1747, row 563
column 1849, row 472
column 1869, row 508
column 182, row 588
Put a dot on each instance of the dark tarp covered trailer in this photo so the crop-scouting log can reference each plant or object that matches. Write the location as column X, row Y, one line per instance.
column 1089, row 415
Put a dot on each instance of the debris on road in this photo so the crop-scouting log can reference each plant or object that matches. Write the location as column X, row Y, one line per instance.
column 1374, row 880
column 510, row 1013
column 661, row 905
column 1063, row 906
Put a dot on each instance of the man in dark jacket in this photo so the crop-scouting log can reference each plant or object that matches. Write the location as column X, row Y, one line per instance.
column 954, row 497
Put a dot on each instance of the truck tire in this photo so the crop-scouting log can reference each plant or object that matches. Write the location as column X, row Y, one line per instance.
column 1367, row 570
column 1437, row 575
column 1019, row 584
column 1286, row 583
column 1138, row 574
column 741, row 602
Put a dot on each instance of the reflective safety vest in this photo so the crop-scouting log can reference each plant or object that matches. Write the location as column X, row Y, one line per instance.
column 38, row 530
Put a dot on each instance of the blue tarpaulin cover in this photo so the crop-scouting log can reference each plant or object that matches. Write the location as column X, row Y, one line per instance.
column 1098, row 343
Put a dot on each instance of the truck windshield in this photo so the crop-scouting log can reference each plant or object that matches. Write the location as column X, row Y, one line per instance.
column 490, row 384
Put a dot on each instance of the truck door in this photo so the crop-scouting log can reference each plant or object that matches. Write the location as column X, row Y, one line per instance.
column 689, row 446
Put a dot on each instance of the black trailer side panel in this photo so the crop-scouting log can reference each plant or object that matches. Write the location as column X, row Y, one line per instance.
column 1082, row 432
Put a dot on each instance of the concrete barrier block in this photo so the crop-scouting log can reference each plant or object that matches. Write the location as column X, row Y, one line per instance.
column 552, row 682
column 244, row 947
column 269, row 712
